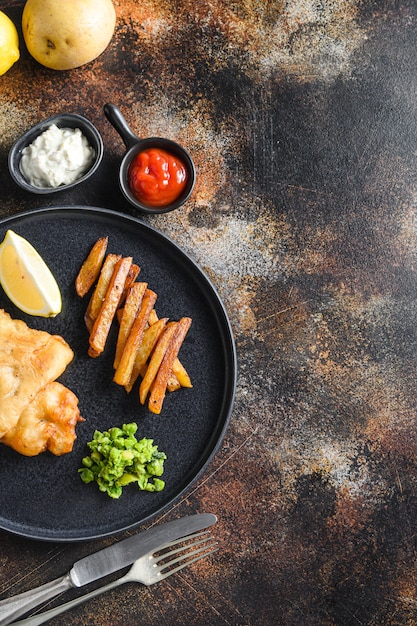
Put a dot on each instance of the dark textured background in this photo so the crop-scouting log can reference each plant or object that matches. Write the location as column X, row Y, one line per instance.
column 301, row 118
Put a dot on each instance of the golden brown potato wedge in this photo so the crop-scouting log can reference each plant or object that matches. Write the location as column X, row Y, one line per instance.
column 91, row 267
column 145, row 346
column 130, row 311
column 178, row 370
column 159, row 384
column 181, row 374
column 150, row 337
column 130, row 279
column 127, row 359
column 156, row 360
column 153, row 317
column 102, row 324
column 173, row 383
column 99, row 293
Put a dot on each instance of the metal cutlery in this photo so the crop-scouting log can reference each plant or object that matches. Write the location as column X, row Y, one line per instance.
column 104, row 562
column 149, row 569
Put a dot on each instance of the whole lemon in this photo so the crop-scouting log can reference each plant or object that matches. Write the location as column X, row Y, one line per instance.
column 69, row 33
column 9, row 43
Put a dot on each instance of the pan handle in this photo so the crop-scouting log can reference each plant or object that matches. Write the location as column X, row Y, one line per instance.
column 116, row 119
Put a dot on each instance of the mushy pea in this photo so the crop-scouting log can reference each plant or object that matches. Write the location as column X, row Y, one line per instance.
column 117, row 459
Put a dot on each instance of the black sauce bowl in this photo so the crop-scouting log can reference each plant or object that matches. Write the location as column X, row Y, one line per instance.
column 134, row 146
column 64, row 120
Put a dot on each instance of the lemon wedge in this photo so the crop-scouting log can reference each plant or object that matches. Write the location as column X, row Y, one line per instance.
column 26, row 279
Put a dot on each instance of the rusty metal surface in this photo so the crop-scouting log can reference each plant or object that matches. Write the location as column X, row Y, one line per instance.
column 301, row 117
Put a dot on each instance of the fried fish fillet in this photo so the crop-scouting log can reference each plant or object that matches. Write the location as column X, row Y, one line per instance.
column 29, row 361
column 47, row 423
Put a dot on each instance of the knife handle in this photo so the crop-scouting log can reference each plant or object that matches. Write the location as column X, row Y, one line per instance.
column 14, row 607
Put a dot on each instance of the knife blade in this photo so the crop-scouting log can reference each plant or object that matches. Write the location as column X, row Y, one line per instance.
column 104, row 562
column 128, row 550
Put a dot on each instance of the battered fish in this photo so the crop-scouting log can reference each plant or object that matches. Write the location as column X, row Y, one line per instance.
column 48, row 423
column 29, row 361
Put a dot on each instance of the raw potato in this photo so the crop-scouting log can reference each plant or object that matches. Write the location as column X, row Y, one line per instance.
column 64, row 34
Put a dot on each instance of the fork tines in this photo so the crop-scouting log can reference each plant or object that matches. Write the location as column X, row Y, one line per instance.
column 187, row 553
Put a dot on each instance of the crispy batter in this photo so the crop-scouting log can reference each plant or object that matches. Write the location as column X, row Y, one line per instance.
column 29, row 360
column 47, row 423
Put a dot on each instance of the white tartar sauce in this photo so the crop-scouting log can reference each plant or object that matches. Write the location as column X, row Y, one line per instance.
column 57, row 157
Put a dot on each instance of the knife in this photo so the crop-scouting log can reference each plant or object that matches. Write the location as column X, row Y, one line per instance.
column 103, row 562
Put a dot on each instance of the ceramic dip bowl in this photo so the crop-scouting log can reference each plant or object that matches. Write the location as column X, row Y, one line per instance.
column 136, row 146
column 62, row 121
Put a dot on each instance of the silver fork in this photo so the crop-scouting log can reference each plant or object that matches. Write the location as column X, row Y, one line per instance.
column 149, row 569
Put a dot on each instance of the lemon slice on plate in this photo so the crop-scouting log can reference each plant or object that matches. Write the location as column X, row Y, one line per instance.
column 26, row 279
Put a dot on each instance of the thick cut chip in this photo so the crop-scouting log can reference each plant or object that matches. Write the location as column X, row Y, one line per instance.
column 179, row 375
column 99, row 293
column 132, row 275
column 159, row 385
column 29, row 360
column 156, row 360
column 104, row 319
column 130, row 311
column 173, row 383
column 91, row 267
column 127, row 360
column 150, row 337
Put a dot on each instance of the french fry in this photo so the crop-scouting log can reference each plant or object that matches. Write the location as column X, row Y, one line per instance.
column 91, row 267
column 159, row 384
column 153, row 317
column 127, row 359
column 181, row 374
column 146, row 346
column 130, row 279
column 178, row 370
column 156, row 360
column 99, row 292
column 150, row 337
column 104, row 319
column 130, row 311
column 173, row 383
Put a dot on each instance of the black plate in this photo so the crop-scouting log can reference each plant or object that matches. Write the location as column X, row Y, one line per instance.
column 43, row 497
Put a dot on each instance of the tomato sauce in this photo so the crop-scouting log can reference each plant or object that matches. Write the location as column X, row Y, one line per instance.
column 156, row 177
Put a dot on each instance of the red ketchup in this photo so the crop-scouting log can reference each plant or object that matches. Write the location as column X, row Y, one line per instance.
column 156, row 177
